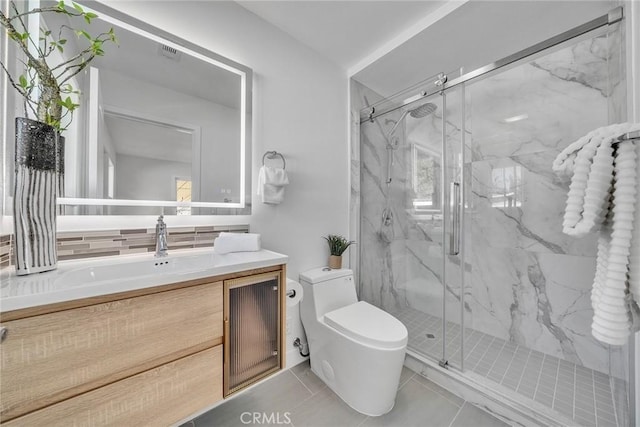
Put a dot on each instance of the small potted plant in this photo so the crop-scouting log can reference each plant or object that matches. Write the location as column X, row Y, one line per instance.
column 337, row 246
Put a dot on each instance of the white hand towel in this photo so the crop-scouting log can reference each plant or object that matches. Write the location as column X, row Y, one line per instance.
column 236, row 242
column 602, row 196
column 271, row 184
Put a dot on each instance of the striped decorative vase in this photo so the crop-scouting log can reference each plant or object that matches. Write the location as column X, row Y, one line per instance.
column 34, row 197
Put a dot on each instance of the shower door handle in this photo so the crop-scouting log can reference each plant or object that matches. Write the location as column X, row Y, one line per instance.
column 454, row 216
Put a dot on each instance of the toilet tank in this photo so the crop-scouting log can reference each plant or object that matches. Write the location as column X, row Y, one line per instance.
column 326, row 290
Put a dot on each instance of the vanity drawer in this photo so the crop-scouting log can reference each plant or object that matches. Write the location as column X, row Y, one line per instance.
column 46, row 359
column 160, row 396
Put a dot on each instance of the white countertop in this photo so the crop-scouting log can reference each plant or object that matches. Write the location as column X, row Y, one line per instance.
column 85, row 278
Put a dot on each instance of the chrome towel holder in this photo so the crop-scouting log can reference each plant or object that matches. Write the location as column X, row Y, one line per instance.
column 272, row 155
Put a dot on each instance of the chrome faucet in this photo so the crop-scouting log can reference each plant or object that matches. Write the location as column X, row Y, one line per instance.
column 161, row 238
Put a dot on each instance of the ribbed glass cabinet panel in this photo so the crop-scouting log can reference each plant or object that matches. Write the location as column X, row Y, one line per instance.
column 252, row 329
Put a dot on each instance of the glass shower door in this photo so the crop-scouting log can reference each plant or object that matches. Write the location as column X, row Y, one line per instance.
column 409, row 158
column 528, row 283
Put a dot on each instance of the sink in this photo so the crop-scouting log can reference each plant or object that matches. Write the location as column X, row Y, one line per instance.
column 77, row 279
column 138, row 269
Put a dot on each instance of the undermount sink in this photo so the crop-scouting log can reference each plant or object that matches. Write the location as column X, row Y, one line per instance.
column 130, row 270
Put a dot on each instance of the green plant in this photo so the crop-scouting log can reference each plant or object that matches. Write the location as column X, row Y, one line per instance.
column 337, row 244
column 44, row 84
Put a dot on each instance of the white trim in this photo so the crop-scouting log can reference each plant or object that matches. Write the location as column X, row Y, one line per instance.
column 92, row 131
column 405, row 35
column 243, row 141
column 632, row 12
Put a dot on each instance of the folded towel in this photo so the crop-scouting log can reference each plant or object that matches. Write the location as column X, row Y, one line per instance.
column 602, row 196
column 271, row 183
column 236, row 242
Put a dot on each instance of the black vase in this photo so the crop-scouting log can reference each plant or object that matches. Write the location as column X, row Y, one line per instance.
column 36, row 184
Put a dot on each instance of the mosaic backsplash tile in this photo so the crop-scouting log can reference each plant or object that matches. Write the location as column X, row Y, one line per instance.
column 88, row 244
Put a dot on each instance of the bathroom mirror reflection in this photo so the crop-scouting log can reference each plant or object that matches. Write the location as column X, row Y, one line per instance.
column 163, row 126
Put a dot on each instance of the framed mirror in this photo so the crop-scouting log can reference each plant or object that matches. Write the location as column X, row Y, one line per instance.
column 164, row 126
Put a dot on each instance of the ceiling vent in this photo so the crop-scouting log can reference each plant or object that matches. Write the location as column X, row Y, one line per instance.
column 169, row 52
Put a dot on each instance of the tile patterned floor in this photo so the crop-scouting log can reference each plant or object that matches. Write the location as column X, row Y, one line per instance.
column 585, row 395
column 300, row 399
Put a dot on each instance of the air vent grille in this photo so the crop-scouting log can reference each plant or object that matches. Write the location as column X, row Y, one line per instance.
column 169, row 52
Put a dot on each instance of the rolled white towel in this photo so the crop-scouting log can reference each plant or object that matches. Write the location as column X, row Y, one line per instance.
column 236, row 242
column 603, row 197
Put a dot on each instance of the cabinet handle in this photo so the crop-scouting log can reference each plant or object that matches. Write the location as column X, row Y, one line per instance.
column 3, row 333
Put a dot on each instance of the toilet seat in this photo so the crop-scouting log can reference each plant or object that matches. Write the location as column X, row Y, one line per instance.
column 368, row 324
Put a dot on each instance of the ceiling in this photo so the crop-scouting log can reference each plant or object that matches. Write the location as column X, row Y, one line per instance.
column 474, row 35
column 345, row 32
column 390, row 46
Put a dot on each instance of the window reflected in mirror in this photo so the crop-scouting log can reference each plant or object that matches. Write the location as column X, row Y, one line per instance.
column 425, row 180
column 506, row 189
column 183, row 194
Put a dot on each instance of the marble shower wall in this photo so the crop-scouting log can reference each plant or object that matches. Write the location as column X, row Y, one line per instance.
column 382, row 253
column 528, row 282
column 525, row 281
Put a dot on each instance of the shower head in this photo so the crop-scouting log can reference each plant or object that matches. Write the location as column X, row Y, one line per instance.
column 417, row 113
column 423, row 110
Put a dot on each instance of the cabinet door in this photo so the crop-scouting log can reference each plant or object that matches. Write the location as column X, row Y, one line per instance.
column 158, row 397
column 252, row 329
column 48, row 358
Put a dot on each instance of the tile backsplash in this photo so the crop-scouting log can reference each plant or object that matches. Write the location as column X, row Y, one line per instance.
column 88, row 244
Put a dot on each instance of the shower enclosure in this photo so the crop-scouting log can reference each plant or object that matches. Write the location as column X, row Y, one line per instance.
column 460, row 231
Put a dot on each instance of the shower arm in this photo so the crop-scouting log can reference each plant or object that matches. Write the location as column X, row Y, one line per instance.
column 395, row 126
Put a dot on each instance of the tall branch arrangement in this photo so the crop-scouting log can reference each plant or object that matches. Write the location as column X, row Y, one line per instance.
column 44, row 85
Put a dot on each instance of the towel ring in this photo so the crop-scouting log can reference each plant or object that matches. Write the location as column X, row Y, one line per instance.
column 273, row 155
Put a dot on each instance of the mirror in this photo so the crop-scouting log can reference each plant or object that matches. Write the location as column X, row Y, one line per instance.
column 163, row 126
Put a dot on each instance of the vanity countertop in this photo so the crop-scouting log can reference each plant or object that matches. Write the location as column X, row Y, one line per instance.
column 78, row 279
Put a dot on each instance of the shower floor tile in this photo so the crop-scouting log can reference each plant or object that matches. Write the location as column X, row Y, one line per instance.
column 580, row 393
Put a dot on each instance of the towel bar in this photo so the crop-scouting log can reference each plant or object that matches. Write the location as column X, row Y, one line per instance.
column 273, row 155
column 631, row 136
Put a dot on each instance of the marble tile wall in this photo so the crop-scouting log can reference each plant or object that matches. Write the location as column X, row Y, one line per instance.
column 89, row 244
column 525, row 281
column 529, row 283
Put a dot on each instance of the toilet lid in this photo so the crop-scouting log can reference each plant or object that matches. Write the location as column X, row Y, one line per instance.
column 368, row 324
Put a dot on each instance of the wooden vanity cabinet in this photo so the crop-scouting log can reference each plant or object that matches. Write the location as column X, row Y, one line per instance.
column 144, row 357
column 253, row 327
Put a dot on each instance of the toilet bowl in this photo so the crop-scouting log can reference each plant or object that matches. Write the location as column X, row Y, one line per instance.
column 356, row 348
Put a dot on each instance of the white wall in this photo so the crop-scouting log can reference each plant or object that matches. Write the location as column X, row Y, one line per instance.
column 141, row 178
column 299, row 109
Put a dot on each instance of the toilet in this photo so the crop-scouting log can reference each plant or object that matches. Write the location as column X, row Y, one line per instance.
column 356, row 348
